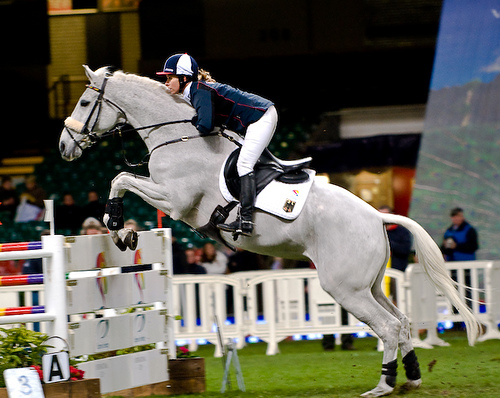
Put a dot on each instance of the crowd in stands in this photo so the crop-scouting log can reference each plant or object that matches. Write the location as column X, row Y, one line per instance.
column 25, row 203
column 212, row 259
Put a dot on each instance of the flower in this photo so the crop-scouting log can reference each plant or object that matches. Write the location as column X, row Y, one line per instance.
column 38, row 370
column 183, row 352
column 74, row 373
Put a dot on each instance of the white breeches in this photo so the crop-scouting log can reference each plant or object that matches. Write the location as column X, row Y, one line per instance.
column 257, row 139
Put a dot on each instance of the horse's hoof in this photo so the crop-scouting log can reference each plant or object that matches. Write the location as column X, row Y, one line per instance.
column 131, row 240
column 410, row 385
column 120, row 245
column 381, row 390
column 378, row 392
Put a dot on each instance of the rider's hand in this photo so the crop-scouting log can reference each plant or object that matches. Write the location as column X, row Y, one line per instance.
column 194, row 120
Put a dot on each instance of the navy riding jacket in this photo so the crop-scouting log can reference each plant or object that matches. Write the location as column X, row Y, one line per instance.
column 219, row 104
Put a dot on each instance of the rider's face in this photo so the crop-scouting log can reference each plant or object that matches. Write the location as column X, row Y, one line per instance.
column 173, row 84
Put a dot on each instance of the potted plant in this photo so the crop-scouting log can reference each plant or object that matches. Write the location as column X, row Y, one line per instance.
column 21, row 348
column 186, row 373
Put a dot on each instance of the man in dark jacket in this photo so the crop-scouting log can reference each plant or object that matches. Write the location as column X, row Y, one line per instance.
column 460, row 241
column 400, row 242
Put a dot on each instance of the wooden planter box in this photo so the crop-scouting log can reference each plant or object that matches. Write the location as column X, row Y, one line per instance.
column 86, row 388
column 187, row 376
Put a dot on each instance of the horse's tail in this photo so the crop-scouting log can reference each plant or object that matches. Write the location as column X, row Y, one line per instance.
column 430, row 256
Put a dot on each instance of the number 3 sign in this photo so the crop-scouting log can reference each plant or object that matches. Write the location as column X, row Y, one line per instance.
column 23, row 383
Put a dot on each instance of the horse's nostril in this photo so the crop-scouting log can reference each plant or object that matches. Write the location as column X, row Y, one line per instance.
column 62, row 147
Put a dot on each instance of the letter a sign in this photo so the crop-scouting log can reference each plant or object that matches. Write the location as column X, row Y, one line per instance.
column 55, row 367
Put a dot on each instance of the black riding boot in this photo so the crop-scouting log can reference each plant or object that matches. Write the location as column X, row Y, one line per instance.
column 243, row 224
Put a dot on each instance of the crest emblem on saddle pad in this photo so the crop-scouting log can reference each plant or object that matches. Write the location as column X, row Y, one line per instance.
column 289, row 205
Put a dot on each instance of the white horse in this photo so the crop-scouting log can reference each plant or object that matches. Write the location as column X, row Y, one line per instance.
column 342, row 235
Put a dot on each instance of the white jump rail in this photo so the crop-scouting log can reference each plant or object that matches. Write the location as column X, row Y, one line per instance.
column 83, row 281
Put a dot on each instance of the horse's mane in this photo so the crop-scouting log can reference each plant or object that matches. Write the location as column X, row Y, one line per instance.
column 145, row 82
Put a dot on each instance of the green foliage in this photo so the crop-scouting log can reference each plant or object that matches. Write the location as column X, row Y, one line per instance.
column 20, row 348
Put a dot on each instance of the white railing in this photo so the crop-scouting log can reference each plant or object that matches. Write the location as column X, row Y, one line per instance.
column 479, row 284
column 273, row 305
column 269, row 304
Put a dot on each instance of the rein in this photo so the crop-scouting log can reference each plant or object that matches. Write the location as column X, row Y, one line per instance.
column 92, row 137
column 184, row 138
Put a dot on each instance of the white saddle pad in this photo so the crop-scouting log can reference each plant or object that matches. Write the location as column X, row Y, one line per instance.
column 282, row 200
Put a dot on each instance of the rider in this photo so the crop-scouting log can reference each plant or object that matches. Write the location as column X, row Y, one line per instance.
column 220, row 105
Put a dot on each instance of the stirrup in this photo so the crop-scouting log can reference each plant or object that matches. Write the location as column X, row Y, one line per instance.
column 247, row 228
column 231, row 227
column 238, row 227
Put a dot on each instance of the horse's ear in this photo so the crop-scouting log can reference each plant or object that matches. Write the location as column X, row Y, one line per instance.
column 89, row 72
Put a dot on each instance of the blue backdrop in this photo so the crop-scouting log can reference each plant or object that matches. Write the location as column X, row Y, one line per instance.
column 458, row 163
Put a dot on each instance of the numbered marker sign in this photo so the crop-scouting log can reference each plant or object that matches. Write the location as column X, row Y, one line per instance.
column 55, row 367
column 23, row 383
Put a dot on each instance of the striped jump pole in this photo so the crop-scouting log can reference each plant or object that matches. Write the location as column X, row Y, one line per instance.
column 51, row 250
column 9, row 311
column 19, row 246
column 21, row 280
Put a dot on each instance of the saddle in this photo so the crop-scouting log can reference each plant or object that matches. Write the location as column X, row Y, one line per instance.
column 267, row 169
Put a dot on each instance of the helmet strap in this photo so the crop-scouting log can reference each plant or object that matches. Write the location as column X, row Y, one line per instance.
column 183, row 81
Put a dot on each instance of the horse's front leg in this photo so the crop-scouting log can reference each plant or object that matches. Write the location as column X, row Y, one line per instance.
column 113, row 219
column 113, row 215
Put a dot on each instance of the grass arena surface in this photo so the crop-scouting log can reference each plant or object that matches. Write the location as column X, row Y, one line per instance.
column 303, row 369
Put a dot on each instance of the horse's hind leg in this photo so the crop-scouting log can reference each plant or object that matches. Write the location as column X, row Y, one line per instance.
column 363, row 306
column 410, row 361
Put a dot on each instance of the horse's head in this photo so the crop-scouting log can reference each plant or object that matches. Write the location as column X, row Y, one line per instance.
column 93, row 115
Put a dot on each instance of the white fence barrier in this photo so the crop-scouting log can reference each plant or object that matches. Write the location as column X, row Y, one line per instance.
column 86, row 280
column 479, row 284
column 273, row 305
column 269, row 304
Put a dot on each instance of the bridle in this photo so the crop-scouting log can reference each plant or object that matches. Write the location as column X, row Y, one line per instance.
column 90, row 137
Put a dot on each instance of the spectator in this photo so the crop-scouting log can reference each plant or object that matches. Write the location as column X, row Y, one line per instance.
column 277, row 263
column 93, row 208
column 35, row 265
column 243, row 260
column 92, row 226
column 179, row 261
column 34, row 193
column 214, row 261
column 460, row 240
column 193, row 265
column 400, row 242
column 68, row 215
column 132, row 224
column 9, row 198
column 347, row 340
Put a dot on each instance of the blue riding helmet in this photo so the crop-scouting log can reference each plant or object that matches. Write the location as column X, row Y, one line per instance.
column 182, row 65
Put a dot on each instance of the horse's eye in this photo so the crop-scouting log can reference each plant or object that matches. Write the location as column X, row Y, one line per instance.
column 84, row 102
